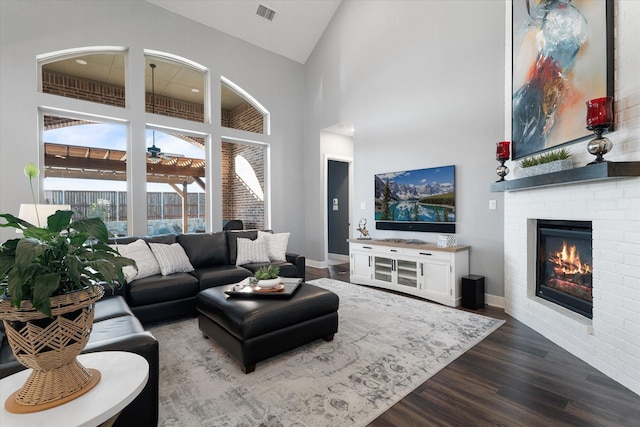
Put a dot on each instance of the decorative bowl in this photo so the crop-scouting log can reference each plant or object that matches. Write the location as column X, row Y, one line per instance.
column 269, row 283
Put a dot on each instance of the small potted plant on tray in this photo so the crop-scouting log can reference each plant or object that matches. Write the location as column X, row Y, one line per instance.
column 267, row 276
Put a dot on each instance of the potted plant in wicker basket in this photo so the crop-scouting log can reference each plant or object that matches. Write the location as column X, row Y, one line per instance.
column 50, row 279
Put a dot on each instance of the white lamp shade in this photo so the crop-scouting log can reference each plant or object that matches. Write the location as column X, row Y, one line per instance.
column 28, row 213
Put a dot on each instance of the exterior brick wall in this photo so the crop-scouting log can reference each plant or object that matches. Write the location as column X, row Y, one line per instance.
column 103, row 93
column 246, row 117
column 225, row 119
column 611, row 340
column 237, row 201
column 87, row 90
column 171, row 107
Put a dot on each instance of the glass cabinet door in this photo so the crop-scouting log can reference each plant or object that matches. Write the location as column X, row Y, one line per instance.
column 407, row 273
column 383, row 269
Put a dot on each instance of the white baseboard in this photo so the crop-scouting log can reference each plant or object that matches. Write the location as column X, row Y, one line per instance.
column 339, row 257
column 494, row 300
column 316, row 264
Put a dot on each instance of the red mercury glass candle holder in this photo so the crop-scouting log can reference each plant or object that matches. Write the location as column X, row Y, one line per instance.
column 502, row 155
column 599, row 118
column 502, row 150
column 600, row 112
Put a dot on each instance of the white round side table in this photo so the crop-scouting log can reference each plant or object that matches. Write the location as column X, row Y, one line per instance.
column 123, row 376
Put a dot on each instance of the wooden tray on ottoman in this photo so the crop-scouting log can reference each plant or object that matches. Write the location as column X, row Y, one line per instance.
column 285, row 290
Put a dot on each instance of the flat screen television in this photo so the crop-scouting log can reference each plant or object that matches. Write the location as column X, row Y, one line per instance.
column 416, row 200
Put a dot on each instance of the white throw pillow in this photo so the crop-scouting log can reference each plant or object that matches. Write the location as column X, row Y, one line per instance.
column 172, row 258
column 251, row 251
column 129, row 271
column 145, row 260
column 276, row 244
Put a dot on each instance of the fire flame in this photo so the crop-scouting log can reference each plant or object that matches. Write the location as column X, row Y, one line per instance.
column 567, row 261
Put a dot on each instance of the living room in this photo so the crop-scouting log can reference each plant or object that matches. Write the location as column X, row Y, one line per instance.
column 424, row 84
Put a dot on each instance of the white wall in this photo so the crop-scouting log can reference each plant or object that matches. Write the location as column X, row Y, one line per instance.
column 29, row 28
column 422, row 82
column 610, row 342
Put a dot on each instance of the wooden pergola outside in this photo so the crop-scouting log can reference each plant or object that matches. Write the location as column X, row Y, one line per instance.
column 70, row 161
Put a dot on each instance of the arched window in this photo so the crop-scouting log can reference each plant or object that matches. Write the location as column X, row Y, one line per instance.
column 86, row 167
column 94, row 74
column 103, row 154
column 175, row 87
column 242, row 111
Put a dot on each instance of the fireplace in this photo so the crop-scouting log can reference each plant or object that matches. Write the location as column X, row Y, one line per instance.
column 564, row 264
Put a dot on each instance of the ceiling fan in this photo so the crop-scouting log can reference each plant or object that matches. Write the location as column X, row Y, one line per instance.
column 154, row 153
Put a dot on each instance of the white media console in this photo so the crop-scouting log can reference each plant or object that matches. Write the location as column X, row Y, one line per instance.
column 424, row 270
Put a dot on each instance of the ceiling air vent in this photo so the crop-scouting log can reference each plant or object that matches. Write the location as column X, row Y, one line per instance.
column 265, row 12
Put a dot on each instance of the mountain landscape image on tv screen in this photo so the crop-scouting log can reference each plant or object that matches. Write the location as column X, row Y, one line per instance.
column 422, row 195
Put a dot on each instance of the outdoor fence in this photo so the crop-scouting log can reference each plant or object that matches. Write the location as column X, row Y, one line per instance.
column 111, row 206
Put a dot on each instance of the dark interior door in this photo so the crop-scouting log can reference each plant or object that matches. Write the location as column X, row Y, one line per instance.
column 338, row 207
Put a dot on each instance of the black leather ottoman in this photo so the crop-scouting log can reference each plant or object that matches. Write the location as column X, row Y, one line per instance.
column 254, row 329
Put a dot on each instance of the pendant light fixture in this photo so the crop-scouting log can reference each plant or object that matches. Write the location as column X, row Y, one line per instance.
column 153, row 151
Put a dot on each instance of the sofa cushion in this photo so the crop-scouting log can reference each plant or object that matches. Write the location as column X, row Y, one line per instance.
column 160, row 238
column 276, row 244
column 220, row 275
column 108, row 308
column 251, row 251
column 205, row 249
column 146, row 262
column 232, row 237
column 167, row 239
column 155, row 289
column 172, row 258
column 116, row 327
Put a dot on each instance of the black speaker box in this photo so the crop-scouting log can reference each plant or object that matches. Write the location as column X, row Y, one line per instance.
column 473, row 291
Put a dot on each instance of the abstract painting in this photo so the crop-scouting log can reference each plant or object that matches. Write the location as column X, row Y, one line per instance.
column 562, row 57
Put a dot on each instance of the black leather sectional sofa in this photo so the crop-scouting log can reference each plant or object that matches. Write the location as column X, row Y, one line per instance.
column 213, row 255
column 121, row 314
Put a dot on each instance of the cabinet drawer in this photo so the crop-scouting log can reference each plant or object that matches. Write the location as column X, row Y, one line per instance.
column 425, row 253
column 362, row 247
column 392, row 250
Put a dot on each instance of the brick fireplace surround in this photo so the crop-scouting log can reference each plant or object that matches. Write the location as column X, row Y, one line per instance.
column 611, row 340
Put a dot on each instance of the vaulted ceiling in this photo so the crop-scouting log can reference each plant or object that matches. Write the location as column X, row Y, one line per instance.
column 296, row 27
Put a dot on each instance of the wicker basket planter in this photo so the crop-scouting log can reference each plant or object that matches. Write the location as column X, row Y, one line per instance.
column 49, row 346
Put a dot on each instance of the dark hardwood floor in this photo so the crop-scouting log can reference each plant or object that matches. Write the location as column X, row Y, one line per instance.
column 514, row 377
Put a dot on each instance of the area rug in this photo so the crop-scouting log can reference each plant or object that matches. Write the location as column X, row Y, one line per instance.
column 386, row 346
